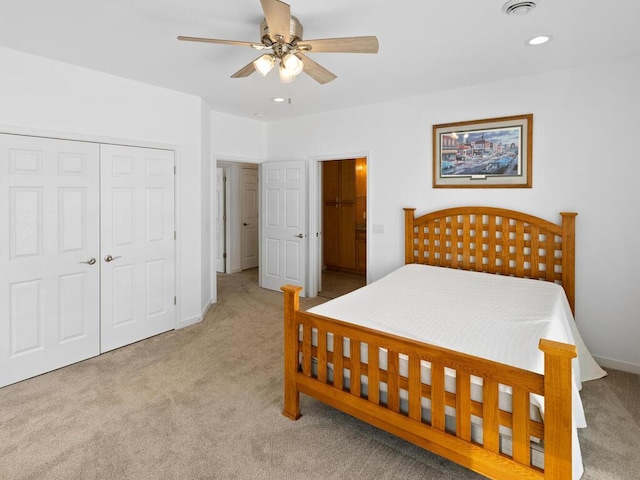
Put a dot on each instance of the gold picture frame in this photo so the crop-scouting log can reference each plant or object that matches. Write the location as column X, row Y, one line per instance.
column 488, row 153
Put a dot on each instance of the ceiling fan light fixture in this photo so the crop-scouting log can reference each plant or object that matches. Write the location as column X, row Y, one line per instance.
column 264, row 64
column 285, row 75
column 293, row 64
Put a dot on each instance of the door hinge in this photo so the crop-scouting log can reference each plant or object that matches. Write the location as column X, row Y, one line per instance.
column 174, row 169
column 175, row 300
column 224, row 255
column 175, row 235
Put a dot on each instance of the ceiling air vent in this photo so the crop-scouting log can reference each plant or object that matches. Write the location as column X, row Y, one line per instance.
column 518, row 7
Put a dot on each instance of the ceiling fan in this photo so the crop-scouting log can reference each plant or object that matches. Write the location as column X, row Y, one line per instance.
column 281, row 35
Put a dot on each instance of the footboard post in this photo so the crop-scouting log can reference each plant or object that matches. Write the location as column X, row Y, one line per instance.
column 291, row 395
column 558, row 423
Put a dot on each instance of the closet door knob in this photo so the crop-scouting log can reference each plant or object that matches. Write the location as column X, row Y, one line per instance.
column 91, row 261
column 109, row 258
column 300, row 235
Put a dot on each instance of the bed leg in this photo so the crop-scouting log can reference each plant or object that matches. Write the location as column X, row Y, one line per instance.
column 291, row 395
column 557, row 409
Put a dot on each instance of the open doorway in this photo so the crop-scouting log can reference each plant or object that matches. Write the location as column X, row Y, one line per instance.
column 237, row 209
column 344, row 226
column 278, row 198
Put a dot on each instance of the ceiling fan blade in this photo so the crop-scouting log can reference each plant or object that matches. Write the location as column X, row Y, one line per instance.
column 244, row 71
column 215, row 40
column 278, row 16
column 341, row 45
column 315, row 70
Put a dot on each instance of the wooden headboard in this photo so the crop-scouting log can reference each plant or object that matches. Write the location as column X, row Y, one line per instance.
column 494, row 240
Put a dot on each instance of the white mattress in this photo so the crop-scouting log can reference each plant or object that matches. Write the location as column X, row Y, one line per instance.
column 503, row 318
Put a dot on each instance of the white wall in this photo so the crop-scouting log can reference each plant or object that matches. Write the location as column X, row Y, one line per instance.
column 238, row 138
column 584, row 160
column 48, row 97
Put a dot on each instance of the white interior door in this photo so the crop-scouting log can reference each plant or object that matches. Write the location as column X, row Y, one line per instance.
column 249, row 213
column 137, row 250
column 49, row 257
column 220, row 221
column 284, row 224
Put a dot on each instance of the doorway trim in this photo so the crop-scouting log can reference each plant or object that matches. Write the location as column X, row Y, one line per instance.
column 315, row 215
column 221, row 198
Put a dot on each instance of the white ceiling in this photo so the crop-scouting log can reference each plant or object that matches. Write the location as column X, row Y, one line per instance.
column 425, row 46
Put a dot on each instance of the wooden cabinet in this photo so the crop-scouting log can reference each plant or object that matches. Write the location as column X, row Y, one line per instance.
column 339, row 216
column 330, row 235
column 339, row 181
column 339, row 236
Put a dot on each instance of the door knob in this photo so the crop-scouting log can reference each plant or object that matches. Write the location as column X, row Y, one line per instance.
column 91, row 261
column 300, row 235
column 109, row 258
column 245, row 224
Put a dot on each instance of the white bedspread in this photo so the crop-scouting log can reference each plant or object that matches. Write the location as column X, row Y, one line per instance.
column 490, row 316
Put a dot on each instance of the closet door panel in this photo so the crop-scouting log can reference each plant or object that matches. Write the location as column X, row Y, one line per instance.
column 49, row 287
column 137, row 204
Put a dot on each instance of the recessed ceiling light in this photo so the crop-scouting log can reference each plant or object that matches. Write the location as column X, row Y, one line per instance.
column 258, row 114
column 278, row 99
column 539, row 40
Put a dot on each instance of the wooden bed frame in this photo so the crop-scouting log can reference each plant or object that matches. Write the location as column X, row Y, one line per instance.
column 482, row 239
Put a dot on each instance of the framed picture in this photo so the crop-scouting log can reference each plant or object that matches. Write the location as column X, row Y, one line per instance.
column 490, row 153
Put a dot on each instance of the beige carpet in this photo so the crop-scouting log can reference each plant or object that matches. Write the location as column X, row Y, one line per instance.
column 204, row 403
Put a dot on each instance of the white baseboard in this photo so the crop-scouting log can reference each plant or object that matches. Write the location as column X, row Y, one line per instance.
column 191, row 320
column 185, row 322
column 206, row 309
column 606, row 362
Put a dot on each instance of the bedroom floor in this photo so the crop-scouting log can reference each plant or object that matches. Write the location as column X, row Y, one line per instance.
column 336, row 283
column 204, row 403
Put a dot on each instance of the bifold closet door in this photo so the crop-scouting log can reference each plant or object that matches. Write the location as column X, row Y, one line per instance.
column 137, row 244
column 49, row 255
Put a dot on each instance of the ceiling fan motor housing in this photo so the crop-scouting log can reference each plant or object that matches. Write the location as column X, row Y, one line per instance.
column 295, row 31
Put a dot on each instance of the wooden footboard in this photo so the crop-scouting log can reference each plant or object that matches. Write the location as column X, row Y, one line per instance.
column 354, row 385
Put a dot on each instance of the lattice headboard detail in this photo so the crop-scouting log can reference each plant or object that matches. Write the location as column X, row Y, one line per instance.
column 494, row 240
